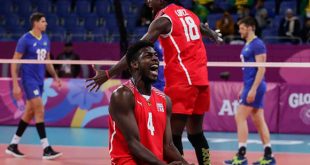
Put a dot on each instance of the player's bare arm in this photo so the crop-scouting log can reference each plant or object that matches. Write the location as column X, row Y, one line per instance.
column 171, row 153
column 14, row 72
column 51, row 70
column 159, row 26
column 121, row 109
column 212, row 35
column 258, row 78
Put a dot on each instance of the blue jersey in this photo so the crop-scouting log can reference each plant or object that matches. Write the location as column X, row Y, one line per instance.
column 248, row 53
column 160, row 83
column 35, row 49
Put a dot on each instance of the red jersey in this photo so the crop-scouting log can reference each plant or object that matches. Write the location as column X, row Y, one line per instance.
column 184, row 51
column 151, row 119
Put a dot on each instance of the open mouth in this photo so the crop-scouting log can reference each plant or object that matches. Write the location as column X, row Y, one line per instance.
column 154, row 69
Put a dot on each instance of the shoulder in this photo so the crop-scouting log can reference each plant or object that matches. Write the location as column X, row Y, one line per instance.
column 159, row 93
column 258, row 43
column 122, row 92
column 25, row 37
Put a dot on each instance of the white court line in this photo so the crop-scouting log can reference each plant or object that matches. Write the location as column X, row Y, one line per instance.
column 210, row 64
column 252, row 141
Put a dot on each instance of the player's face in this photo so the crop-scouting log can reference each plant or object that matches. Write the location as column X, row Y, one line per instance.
column 41, row 24
column 148, row 64
column 244, row 30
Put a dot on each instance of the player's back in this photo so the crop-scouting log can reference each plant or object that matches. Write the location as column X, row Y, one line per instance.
column 35, row 49
column 184, row 51
column 151, row 120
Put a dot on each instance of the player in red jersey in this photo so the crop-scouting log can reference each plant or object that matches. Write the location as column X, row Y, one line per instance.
column 180, row 34
column 139, row 123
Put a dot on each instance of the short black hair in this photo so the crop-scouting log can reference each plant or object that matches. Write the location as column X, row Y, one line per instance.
column 133, row 51
column 35, row 17
column 247, row 21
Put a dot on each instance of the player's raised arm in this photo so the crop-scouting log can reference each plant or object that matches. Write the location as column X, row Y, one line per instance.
column 121, row 109
column 212, row 35
column 159, row 26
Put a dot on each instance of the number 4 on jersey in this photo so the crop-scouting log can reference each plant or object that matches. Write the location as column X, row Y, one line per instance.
column 190, row 28
column 150, row 125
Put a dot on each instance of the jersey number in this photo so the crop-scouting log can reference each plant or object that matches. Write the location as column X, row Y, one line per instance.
column 242, row 60
column 41, row 54
column 150, row 125
column 190, row 28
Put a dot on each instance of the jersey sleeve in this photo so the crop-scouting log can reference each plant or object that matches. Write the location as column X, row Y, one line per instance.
column 259, row 48
column 21, row 45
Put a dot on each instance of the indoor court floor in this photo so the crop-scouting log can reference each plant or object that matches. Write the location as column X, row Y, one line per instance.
column 89, row 146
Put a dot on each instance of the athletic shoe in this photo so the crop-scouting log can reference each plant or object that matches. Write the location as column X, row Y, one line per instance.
column 13, row 150
column 50, row 154
column 266, row 161
column 237, row 160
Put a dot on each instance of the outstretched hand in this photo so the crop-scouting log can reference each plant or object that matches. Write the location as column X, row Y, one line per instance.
column 96, row 81
column 215, row 36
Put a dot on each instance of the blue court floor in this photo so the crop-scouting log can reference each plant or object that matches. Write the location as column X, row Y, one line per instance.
column 219, row 141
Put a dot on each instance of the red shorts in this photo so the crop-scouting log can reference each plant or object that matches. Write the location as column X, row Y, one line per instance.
column 189, row 100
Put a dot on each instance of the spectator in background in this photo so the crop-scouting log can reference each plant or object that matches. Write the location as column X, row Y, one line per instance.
column 146, row 15
column 236, row 4
column 226, row 24
column 243, row 2
column 200, row 10
column 262, row 18
column 67, row 70
column 243, row 11
column 305, row 32
column 261, row 15
column 289, row 25
column 304, row 8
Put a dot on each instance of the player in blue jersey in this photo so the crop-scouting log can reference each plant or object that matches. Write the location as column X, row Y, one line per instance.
column 251, row 96
column 33, row 45
column 160, row 83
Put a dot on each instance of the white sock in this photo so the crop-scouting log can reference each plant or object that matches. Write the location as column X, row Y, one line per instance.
column 15, row 139
column 242, row 145
column 44, row 143
column 267, row 145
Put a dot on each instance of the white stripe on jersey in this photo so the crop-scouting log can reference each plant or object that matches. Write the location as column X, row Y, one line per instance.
column 112, row 137
column 180, row 60
column 160, row 93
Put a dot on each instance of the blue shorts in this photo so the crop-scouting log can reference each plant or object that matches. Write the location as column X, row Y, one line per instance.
column 259, row 98
column 32, row 90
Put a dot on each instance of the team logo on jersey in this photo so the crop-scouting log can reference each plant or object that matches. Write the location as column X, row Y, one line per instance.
column 44, row 43
column 160, row 107
column 35, row 44
column 36, row 92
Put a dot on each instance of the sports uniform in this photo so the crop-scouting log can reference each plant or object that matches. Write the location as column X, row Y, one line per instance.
column 248, row 53
column 151, row 119
column 185, row 62
column 32, row 75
